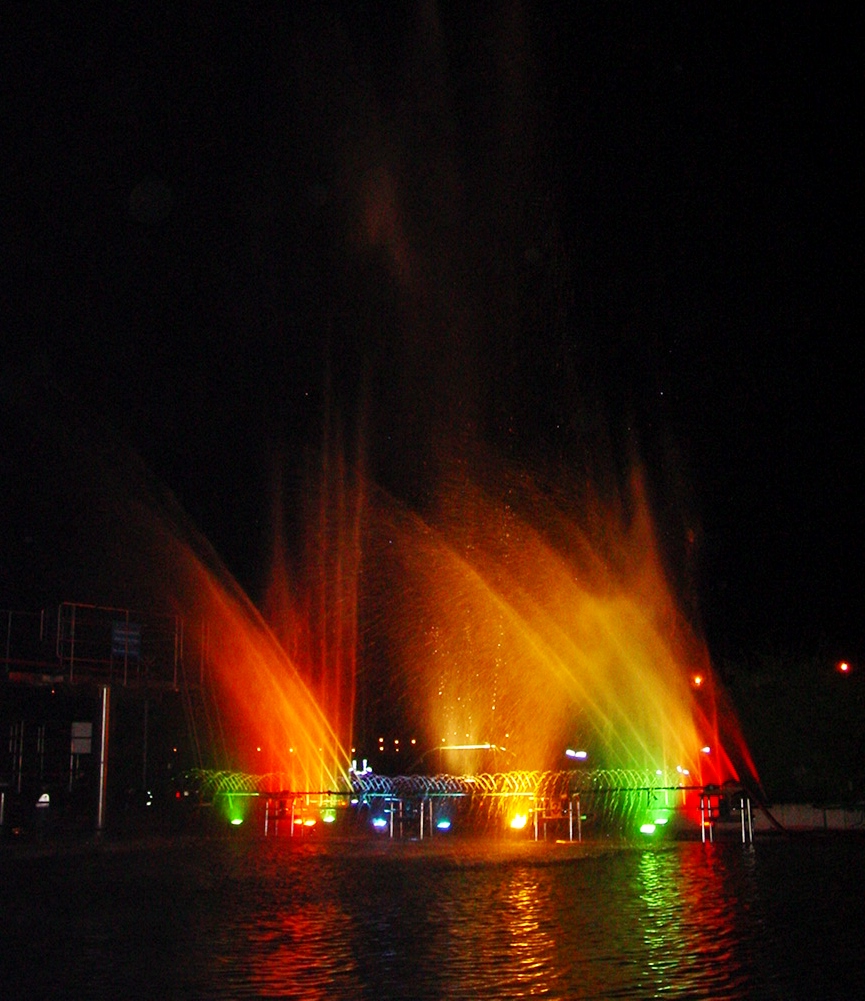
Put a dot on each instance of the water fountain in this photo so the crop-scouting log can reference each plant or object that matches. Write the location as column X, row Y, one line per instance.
column 510, row 631
column 497, row 624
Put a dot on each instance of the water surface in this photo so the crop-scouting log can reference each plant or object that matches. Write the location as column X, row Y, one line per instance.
column 216, row 918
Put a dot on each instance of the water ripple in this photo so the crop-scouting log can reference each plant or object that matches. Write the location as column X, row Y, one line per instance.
column 228, row 921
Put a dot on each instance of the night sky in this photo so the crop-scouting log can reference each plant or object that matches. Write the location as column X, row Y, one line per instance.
column 629, row 231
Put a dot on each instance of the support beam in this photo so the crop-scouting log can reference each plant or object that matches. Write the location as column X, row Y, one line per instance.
column 103, row 759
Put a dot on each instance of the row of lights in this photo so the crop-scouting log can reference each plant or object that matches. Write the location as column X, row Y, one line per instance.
column 396, row 744
column 697, row 681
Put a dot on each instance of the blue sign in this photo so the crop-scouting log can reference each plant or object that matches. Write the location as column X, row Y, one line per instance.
column 126, row 639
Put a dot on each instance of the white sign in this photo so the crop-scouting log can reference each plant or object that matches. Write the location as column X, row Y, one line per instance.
column 82, row 738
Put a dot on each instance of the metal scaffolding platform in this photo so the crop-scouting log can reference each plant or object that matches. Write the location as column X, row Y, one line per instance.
column 94, row 644
column 79, row 673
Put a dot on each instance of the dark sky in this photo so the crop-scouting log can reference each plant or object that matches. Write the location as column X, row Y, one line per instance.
column 633, row 227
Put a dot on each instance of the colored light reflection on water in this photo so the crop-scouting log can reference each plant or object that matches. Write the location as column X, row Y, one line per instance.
column 228, row 920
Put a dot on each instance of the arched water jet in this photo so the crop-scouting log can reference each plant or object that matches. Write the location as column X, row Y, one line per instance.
column 565, row 805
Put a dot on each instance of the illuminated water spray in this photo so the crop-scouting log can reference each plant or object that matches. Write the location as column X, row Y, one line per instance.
column 517, row 622
column 272, row 719
column 281, row 727
column 506, row 620
column 134, row 546
column 313, row 611
column 525, row 633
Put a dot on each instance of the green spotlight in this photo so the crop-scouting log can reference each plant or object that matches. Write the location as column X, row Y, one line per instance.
column 234, row 808
column 647, row 828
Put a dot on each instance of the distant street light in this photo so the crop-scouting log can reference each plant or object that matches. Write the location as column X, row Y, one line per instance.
column 580, row 755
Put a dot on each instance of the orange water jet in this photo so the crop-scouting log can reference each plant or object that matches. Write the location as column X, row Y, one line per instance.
column 522, row 630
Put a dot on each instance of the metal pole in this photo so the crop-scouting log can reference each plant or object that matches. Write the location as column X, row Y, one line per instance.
column 742, row 816
column 8, row 640
column 579, row 820
column 702, row 818
column 421, row 820
column 126, row 652
column 72, row 648
column 144, row 746
column 18, row 729
column 570, row 818
column 40, row 749
column 178, row 649
column 103, row 759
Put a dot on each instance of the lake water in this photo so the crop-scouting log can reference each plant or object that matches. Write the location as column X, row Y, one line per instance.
column 216, row 918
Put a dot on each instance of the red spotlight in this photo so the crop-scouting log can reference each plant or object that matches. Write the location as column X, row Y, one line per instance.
column 697, row 680
column 842, row 667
